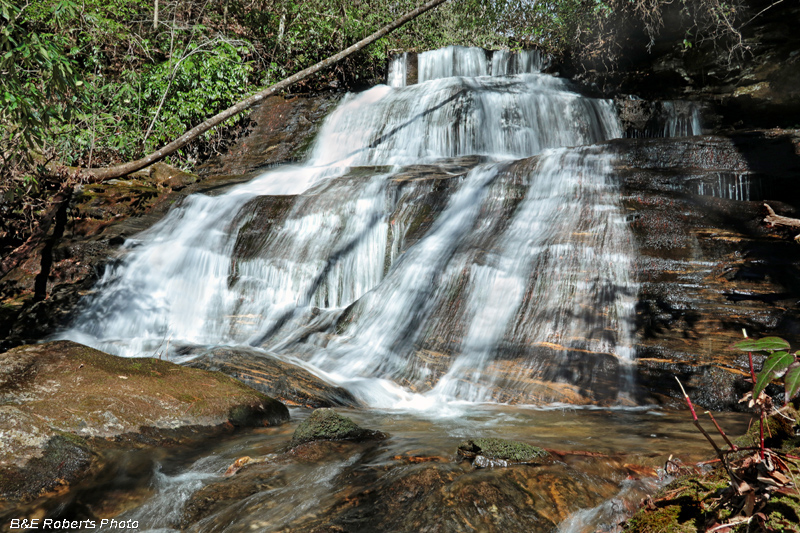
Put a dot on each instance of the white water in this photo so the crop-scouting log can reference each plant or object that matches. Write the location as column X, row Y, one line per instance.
column 516, row 255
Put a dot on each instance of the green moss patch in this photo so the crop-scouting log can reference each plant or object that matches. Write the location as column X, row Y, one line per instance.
column 327, row 424
column 663, row 520
column 501, row 449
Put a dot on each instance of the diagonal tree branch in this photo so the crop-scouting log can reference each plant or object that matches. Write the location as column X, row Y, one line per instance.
column 100, row 174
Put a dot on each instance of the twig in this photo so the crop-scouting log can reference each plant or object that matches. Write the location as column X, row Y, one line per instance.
column 719, row 452
column 761, row 12
column 724, row 436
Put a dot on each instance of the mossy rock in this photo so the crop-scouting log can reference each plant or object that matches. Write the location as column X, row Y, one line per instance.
column 663, row 520
column 65, row 459
column 62, row 400
column 327, row 424
column 779, row 433
column 501, row 450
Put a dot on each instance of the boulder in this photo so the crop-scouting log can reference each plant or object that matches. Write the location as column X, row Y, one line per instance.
column 327, row 424
column 284, row 381
column 491, row 452
column 62, row 402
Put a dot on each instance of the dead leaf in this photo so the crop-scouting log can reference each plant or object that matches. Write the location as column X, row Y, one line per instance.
column 749, row 503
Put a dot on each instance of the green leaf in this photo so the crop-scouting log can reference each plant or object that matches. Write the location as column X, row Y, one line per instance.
column 792, row 381
column 774, row 364
column 766, row 344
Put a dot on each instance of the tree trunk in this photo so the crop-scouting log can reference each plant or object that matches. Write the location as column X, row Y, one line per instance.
column 773, row 219
column 155, row 15
column 100, row 174
column 39, row 235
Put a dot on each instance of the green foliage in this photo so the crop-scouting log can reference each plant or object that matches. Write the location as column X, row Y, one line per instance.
column 778, row 362
column 766, row 344
column 38, row 79
column 182, row 92
column 775, row 364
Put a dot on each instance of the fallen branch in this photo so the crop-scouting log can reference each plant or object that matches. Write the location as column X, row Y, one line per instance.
column 774, row 219
column 100, row 174
column 95, row 175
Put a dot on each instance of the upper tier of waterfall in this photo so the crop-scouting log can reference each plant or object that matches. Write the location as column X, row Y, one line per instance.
column 419, row 256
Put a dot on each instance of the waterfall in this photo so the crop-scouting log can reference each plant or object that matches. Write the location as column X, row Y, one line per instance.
column 398, row 71
column 451, row 240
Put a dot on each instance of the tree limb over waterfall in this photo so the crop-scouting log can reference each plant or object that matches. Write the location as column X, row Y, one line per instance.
column 95, row 175
column 100, row 174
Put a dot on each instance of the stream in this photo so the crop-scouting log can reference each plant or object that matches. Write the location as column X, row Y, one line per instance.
column 579, row 493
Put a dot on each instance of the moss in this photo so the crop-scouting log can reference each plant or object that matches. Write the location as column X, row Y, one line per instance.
column 663, row 520
column 778, row 433
column 327, row 424
column 148, row 367
column 783, row 512
column 696, row 486
column 504, row 450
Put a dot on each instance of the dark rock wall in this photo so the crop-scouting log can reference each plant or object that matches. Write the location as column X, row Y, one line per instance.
column 758, row 87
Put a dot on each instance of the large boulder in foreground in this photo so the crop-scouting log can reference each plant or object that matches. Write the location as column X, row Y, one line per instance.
column 58, row 400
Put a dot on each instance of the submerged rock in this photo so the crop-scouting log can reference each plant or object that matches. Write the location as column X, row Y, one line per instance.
column 327, row 424
column 499, row 452
column 62, row 402
column 362, row 486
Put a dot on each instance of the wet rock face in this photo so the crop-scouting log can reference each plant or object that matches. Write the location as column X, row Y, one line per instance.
column 58, row 397
column 279, row 379
column 708, row 266
column 282, row 130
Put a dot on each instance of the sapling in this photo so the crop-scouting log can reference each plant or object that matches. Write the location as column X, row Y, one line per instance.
column 779, row 362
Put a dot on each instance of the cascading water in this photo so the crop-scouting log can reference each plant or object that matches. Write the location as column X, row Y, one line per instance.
column 419, row 256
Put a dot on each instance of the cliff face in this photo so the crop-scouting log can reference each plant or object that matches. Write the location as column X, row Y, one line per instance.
column 756, row 86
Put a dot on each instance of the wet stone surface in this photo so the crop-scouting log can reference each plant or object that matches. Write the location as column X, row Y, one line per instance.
column 278, row 378
column 60, row 401
column 410, row 493
column 708, row 266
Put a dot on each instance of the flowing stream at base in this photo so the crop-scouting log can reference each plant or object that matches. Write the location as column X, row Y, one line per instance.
column 449, row 243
